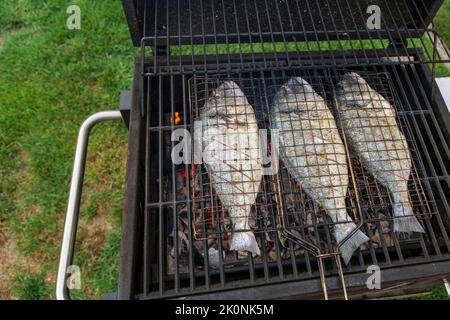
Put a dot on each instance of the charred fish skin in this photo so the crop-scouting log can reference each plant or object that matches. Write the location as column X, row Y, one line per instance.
column 314, row 154
column 232, row 156
column 372, row 128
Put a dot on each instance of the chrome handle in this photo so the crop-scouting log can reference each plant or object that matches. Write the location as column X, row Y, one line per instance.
column 73, row 207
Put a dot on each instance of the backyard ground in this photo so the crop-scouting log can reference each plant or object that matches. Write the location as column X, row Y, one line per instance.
column 51, row 79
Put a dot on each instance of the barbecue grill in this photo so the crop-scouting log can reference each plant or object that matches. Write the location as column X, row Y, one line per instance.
column 175, row 238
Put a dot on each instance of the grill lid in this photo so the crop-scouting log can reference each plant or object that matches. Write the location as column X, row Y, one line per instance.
column 216, row 21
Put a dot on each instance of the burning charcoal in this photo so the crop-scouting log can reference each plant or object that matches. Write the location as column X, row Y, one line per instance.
column 172, row 251
column 384, row 224
column 244, row 254
column 268, row 237
column 213, row 258
column 389, row 242
column 252, row 221
column 295, row 251
column 285, row 254
column 183, row 263
column 290, row 202
column 273, row 255
column 376, row 239
column 211, row 241
column 268, row 244
column 198, row 257
column 281, row 237
column 199, row 245
column 364, row 246
column 182, row 211
column 309, row 222
column 183, row 241
column 226, row 243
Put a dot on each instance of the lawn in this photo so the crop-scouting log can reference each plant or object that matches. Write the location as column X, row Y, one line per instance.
column 51, row 79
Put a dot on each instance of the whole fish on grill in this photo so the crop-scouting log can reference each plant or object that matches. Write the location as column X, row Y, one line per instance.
column 314, row 154
column 231, row 152
column 371, row 126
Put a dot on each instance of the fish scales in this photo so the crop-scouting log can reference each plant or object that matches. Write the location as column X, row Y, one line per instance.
column 371, row 126
column 314, row 154
column 231, row 152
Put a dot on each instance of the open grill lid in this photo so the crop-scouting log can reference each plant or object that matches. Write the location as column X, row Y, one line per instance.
column 263, row 34
column 192, row 22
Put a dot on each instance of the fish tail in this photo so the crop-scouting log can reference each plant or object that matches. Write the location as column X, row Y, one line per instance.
column 351, row 245
column 405, row 220
column 344, row 226
column 244, row 241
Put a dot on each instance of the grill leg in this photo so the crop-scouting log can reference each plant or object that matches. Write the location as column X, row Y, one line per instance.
column 323, row 280
column 341, row 275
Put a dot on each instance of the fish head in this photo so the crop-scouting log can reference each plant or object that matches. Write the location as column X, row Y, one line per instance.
column 353, row 90
column 227, row 95
column 352, row 78
column 353, row 82
column 296, row 95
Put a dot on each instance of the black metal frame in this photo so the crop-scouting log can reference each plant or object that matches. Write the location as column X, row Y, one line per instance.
column 161, row 87
column 192, row 22
column 414, row 85
column 170, row 37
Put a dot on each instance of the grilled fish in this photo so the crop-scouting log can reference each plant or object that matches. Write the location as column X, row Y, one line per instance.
column 314, row 154
column 371, row 126
column 232, row 155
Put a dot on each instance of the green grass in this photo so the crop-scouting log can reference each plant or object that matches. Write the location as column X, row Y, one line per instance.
column 51, row 79
column 442, row 21
column 30, row 286
column 436, row 293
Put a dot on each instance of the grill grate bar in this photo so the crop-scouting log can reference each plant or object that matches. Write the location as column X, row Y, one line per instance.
column 420, row 138
column 281, row 39
column 288, row 27
column 361, row 260
column 174, row 192
column 161, row 218
column 147, row 266
column 428, row 130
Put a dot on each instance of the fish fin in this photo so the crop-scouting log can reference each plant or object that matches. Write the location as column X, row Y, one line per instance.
column 405, row 220
column 228, row 85
column 244, row 241
column 351, row 245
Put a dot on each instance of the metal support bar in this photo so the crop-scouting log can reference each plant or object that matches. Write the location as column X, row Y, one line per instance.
column 447, row 287
column 73, row 207
column 125, row 106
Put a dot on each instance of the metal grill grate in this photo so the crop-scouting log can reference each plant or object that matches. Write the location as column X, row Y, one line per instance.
column 281, row 193
column 372, row 191
column 172, row 225
column 246, row 34
column 180, row 244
